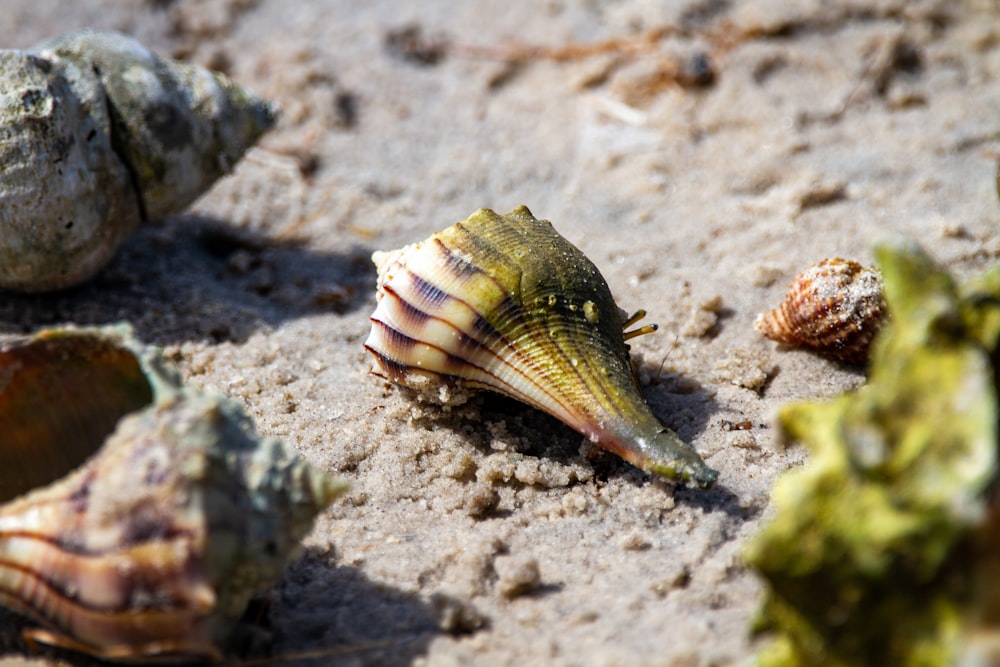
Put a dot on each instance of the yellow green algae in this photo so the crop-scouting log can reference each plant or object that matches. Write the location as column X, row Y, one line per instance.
column 883, row 549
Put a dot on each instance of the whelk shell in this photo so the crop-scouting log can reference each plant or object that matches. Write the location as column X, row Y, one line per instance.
column 505, row 303
column 833, row 308
column 140, row 515
column 97, row 134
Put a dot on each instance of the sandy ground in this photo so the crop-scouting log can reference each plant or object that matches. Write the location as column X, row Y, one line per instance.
column 701, row 161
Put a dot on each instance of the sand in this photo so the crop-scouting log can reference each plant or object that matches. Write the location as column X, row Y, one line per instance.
column 700, row 153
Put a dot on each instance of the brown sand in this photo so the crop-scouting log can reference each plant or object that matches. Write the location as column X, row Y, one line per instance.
column 827, row 125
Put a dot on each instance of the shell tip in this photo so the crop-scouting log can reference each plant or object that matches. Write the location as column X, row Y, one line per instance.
column 705, row 477
column 764, row 324
column 251, row 115
column 699, row 474
column 671, row 458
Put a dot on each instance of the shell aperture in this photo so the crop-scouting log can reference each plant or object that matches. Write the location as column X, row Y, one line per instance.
column 504, row 303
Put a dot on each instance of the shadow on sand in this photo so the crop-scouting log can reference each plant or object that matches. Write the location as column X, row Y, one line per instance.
column 196, row 278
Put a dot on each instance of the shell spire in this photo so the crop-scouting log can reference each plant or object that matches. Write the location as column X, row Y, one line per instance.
column 504, row 303
column 179, row 126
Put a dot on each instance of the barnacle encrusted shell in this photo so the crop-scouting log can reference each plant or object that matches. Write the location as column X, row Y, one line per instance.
column 503, row 302
column 833, row 308
column 140, row 515
column 97, row 133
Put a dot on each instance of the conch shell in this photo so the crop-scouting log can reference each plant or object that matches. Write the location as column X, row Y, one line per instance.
column 507, row 304
column 833, row 308
column 98, row 134
column 140, row 515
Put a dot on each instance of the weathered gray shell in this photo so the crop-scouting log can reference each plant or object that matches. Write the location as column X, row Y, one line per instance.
column 834, row 308
column 140, row 514
column 97, row 133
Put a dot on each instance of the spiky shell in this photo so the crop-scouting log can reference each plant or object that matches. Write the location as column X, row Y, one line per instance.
column 833, row 308
column 97, row 133
column 150, row 549
column 504, row 303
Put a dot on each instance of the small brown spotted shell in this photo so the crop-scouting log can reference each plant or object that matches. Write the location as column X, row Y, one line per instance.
column 833, row 308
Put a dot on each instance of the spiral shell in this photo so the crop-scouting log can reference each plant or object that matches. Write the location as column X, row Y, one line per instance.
column 98, row 134
column 140, row 515
column 505, row 303
column 833, row 308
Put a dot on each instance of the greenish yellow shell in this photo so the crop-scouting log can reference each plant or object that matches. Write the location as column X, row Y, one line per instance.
column 504, row 303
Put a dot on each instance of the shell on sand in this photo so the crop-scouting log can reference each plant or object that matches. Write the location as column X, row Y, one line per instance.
column 97, row 134
column 833, row 308
column 504, row 303
column 139, row 515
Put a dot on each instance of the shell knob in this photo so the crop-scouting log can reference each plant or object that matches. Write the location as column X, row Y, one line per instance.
column 834, row 308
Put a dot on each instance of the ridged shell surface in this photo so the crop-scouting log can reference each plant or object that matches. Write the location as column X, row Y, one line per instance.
column 97, row 134
column 179, row 126
column 833, row 308
column 503, row 302
column 150, row 549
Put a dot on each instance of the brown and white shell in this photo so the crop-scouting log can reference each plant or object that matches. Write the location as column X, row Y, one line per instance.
column 833, row 308
column 139, row 515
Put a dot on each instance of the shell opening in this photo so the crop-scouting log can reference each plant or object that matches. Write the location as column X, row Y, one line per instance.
column 60, row 398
